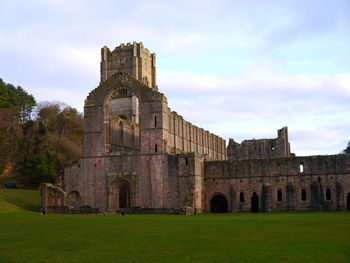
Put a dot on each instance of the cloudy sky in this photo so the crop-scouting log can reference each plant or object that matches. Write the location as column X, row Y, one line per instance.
column 241, row 69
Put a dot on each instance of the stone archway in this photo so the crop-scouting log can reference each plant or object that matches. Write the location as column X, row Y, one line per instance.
column 218, row 204
column 254, row 202
column 120, row 195
column 348, row 201
column 124, row 196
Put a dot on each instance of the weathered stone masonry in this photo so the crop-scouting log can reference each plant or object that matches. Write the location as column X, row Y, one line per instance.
column 141, row 156
column 286, row 183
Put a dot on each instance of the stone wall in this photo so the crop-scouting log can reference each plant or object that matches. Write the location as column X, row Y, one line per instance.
column 262, row 148
column 313, row 175
column 132, row 58
column 185, row 137
column 51, row 197
column 138, row 154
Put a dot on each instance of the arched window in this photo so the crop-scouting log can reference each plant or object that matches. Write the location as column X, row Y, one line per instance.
column 241, row 197
column 301, row 168
column 279, row 195
column 303, row 195
column 121, row 133
column 328, row 194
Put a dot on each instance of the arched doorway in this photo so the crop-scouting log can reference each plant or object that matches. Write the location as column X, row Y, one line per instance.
column 124, row 196
column 254, row 202
column 120, row 194
column 218, row 204
column 348, row 201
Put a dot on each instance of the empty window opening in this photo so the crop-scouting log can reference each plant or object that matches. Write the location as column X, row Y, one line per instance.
column 155, row 121
column 303, row 195
column 123, row 91
column 301, row 168
column 348, row 201
column 279, row 195
column 186, row 159
column 121, row 133
column 155, row 148
column 254, row 202
column 272, row 147
column 328, row 194
column 241, row 197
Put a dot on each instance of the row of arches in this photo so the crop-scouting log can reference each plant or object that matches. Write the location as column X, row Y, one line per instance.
column 219, row 203
column 303, row 195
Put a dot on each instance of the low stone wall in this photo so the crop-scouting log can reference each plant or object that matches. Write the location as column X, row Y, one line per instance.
column 72, row 210
column 53, row 200
column 139, row 210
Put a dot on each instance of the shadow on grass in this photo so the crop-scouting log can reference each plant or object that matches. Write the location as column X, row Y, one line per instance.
column 22, row 198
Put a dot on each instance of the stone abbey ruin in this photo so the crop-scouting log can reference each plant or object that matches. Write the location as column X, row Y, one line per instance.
column 140, row 156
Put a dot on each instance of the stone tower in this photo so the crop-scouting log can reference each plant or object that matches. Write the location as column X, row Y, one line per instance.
column 132, row 58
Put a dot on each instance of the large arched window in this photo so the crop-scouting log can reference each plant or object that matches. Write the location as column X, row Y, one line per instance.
column 279, row 195
column 328, row 194
column 303, row 195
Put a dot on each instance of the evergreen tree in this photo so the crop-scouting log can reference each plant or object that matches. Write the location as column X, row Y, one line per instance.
column 347, row 149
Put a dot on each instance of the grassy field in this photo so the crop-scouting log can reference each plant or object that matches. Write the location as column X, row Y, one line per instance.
column 27, row 236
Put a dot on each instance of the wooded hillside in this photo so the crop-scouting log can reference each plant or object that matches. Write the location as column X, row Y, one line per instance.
column 37, row 140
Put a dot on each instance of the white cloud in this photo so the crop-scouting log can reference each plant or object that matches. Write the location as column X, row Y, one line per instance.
column 240, row 69
column 258, row 100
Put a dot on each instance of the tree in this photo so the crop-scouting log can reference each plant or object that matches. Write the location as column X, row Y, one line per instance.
column 347, row 149
column 39, row 141
column 12, row 97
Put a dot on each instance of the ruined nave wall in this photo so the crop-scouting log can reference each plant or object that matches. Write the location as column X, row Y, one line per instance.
column 265, row 177
column 185, row 137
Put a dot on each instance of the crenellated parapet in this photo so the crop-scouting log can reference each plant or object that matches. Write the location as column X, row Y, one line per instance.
column 132, row 58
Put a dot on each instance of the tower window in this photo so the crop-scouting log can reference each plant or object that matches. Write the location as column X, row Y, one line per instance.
column 279, row 195
column 186, row 159
column 301, row 168
column 155, row 121
column 155, row 148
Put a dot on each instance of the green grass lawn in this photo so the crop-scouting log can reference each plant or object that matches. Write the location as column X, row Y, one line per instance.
column 27, row 236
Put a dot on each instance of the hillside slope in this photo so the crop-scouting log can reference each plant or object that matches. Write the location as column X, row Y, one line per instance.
column 12, row 200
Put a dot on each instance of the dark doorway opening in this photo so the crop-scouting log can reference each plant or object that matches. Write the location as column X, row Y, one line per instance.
column 124, row 196
column 255, row 202
column 218, row 204
column 348, row 202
